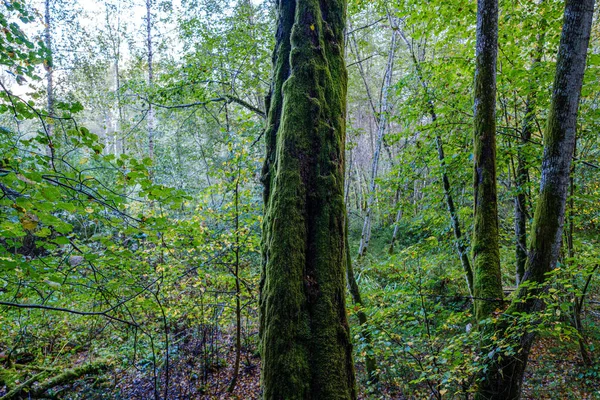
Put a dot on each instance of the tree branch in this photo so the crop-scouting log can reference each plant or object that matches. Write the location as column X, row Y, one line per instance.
column 67, row 310
column 225, row 98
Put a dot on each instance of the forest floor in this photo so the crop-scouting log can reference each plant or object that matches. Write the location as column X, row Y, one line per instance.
column 201, row 368
column 553, row 373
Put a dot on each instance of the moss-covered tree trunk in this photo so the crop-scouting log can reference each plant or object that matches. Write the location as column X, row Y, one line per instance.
column 370, row 360
column 504, row 376
column 305, row 340
column 487, row 283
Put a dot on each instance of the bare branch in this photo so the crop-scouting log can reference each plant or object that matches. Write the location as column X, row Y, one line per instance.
column 67, row 310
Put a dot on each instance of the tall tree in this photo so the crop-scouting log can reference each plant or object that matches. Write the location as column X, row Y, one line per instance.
column 487, row 283
column 461, row 248
column 370, row 360
column 504, row 378
column 305, row 338
column 150, row 59
column 365, row 236
column 49, row 69
column 522, row 171
column 114, row 36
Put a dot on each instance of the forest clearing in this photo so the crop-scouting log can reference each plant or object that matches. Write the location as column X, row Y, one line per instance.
column 299, row 199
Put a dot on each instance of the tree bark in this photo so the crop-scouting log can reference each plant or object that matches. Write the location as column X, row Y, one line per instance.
column 504, row 376
column 150, row 56
column 521, row 177
column 487, row 282
column 115, row 41
column 49, row 73
column 238, row 292
column 365, row 236
column 305, row 338
column 461, row 248
column 522, row 171
column 370, row 360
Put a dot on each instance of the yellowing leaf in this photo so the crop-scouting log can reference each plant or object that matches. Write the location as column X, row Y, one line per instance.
column 29, row 221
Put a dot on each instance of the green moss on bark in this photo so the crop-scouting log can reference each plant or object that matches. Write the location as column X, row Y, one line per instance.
column 503, row 377
column 305, row 339
column 487, row 284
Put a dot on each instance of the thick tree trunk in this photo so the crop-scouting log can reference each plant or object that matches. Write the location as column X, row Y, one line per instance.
column 504, row 377
column 487, row 284
column 305, row 338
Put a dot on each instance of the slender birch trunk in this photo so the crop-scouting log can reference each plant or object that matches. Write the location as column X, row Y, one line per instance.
column 382, row 124
column 150, row 55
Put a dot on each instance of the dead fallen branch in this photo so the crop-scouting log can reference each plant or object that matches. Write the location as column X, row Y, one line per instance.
column 70, row 375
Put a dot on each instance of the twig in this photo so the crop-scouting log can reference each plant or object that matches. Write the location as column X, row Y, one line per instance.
column 67, row 310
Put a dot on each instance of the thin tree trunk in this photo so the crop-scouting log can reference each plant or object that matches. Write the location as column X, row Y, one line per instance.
column 363, row 75
column 359, row 191
column 503, row 378
column 305, row 338
column 461, row 248
column 381, row 126
column 348, row 179
column 49, row 73
column 116, row 42
column 396, row 228
column 577, row 304
column 487, row 282
column 522, row 172
column 578, row 307
column 370, row 361
column 238, row 304
column 521, row 178
column 150, row 55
